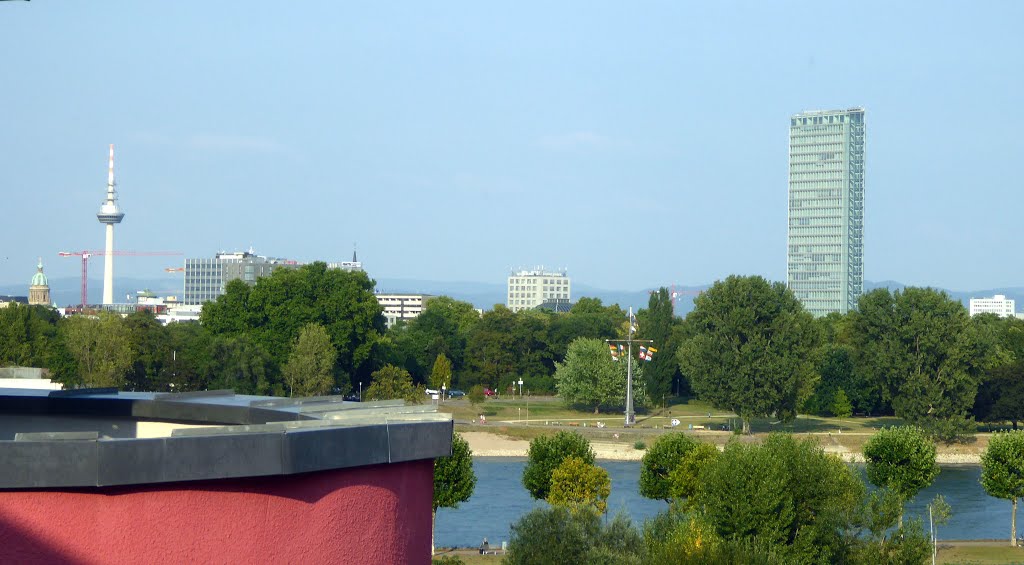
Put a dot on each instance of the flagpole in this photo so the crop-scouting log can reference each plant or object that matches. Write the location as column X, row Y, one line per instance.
column 630, row 416
column 645, row 356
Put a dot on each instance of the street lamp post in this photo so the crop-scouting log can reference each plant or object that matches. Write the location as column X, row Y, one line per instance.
column 520, row 389
column 443, row 389
column 360, row 391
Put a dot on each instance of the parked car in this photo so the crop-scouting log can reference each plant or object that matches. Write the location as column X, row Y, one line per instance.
column 456, row 393
column 488, row 392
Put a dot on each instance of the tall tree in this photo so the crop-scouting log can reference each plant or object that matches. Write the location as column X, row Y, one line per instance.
column 276, row 309
column 101, row 346
column 752, row 348
column 491, row 348
column 657, row 323
column 309, row 371
column 27, row 335
column 441, row 374
column 153, row 351
column 1001, row 395
column 590, row 377
column 546, row 453
column 921, row 349
column 901, row 459
column 1002, row 472
column 442, row 328
column 454, row 480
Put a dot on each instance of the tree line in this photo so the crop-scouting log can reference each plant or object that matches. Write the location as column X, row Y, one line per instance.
column 748, row 346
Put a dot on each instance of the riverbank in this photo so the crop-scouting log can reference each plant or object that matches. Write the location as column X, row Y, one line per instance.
column 496, row 444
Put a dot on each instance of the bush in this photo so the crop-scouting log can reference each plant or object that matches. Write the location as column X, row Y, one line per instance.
column 640, row 445
column 556, row 536
column 448, row 560
column 659, row 461
column 576, row 485
column 476, row 395
column 546, row 454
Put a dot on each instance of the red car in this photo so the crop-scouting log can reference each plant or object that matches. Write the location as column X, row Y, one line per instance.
column 488, row 392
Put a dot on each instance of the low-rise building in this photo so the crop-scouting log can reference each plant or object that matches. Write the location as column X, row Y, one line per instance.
column 402, row 307
column 998, row 305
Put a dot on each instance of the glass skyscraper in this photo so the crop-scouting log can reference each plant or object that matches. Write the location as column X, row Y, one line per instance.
column 825, row 257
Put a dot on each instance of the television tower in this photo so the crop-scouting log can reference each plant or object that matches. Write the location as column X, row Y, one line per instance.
column 110, row 213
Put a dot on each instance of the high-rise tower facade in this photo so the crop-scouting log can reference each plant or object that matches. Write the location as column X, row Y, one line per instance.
column 825, row 256
column 110, row 213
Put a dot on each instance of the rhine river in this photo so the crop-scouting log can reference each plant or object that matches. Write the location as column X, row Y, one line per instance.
column 500, row 499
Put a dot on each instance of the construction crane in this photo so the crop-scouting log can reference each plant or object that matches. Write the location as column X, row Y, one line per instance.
column 85, row 263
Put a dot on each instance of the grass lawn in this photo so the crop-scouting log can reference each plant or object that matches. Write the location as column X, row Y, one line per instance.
column 980, row 553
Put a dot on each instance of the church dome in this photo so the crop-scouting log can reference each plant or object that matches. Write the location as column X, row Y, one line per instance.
column 39, row 279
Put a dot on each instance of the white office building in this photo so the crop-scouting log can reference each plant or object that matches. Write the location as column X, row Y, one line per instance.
column 998, row 305
column 529, row 288
column 402, row 307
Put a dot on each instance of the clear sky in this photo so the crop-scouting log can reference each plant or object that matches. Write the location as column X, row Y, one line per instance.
column 635, row 144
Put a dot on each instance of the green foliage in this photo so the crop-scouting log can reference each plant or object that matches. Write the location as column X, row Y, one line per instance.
column 920, row 349
column 901, row 459
column 441, row 374
column 546, row 453
column 752, row 348
column 27, row 335
column 658, row 322
column 639, row 445
column 684, row 480
column 1001, row 395
column 390, row 383
column 1002, row 471
column 274, row 311
column 454, row 479
column 447, row 560
column 102, row 347
column 775, row 503
column 590, row 377
column 309, row 371
column 557, row 536
column 443, row 328
column 661, row 459
column 841, row 406
column 576, row 484
column 240, row 364
column 476, row 395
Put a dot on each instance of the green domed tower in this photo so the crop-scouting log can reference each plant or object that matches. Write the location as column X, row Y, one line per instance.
column 39, row 291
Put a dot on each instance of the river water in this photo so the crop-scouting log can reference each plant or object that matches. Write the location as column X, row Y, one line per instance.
column 500, row 499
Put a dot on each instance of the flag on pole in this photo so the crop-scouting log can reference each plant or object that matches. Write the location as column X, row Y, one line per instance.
column 651, row 351
column 615, row 352
column 643, row 353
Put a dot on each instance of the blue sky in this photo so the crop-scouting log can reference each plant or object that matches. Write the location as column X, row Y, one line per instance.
column 636, row 145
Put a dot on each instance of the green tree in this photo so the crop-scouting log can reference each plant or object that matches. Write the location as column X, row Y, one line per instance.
column 1001, row 395
column 491, row 348
column 576, row 484
column 309, row 371
column 590, row 377
column 658, row 322
column 102, row 348
column 454, row 480
column 240, row 364
column 922, row 351
column 775, row 504
column 752, row 348
column 392, row 382
column 902, row 459
column 276, row 309
column 684, row 479
column 588, row 317
column 841, row 407
column 153, row 351
column 556, row 536
column 441, row 375
column 660, row 461
column 1002, row 472
column 546, row 453
column 27, row 335
column 442, row 328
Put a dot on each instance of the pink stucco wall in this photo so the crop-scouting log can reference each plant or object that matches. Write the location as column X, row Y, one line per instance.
column 376, row 514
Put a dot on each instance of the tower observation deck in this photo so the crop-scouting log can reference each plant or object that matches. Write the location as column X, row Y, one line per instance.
column 110, row 213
